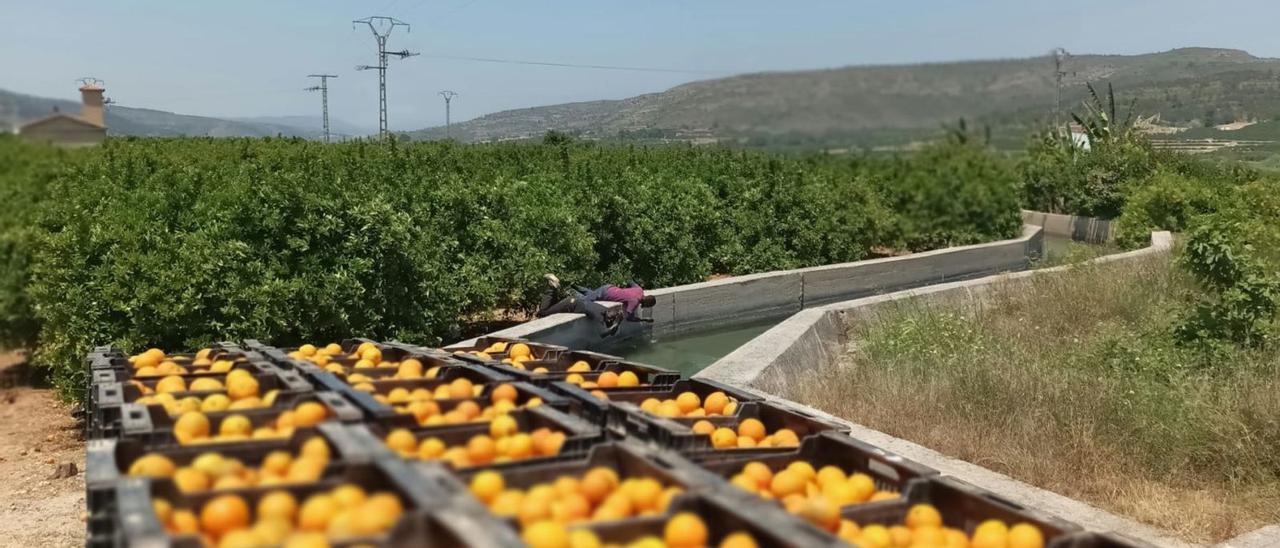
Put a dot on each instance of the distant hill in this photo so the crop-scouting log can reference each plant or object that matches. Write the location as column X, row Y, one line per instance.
column 874, row 105
column 16, row 108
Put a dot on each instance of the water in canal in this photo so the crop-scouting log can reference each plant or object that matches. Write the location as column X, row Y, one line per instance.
column 692, row 352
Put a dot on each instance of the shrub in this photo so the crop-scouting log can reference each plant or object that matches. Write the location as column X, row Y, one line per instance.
column 25, row 171
column 1165, row 201
column 1235, row 255
column 953, row 193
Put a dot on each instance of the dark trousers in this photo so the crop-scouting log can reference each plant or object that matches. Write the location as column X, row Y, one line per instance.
column 578, row 301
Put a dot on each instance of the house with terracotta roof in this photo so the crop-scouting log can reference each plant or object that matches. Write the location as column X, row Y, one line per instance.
column 63, row 129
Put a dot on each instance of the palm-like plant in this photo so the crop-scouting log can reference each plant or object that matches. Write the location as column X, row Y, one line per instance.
column 1101, row 123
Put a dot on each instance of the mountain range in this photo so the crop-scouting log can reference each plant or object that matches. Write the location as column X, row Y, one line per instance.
column 849, row 107
column 878, row 105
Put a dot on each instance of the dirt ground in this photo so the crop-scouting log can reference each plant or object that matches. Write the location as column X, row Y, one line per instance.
column 37, row 434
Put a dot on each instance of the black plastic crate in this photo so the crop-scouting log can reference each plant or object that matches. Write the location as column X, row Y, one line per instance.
column 539, row 351
column 117, row 369
column 629, row 460
column 887, row 470
column 135, row 523
column 107, row 461
column 962, row 506
column 107, row 399
column 558, row 364
column 580, row 435
column 768, row 525
column 619, row 416
column 678, row 433
column 153, row 426
column 524, row 392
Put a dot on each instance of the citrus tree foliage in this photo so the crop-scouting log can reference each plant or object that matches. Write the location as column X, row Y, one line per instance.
column 179, row 242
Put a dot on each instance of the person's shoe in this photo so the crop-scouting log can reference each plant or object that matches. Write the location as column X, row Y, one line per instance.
column 552, row 280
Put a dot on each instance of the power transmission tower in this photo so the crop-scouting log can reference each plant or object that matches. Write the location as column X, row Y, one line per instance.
column 1060, row 58
column 323, row 88
column 448, row 97
column 381, row 28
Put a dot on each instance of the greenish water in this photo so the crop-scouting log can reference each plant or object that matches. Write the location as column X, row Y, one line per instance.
column 1060, row 250
column 690, row 353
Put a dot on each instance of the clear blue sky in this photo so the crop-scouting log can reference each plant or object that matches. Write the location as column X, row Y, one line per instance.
column 251, row 58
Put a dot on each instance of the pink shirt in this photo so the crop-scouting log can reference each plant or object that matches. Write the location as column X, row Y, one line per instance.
column 628, row 296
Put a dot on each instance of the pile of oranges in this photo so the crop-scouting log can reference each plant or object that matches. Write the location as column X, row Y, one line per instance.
column 923, row 526
column 683, row 530
column 194, row 427
column 238, row 390
column 749, row 434
column 688, row 404
column 366, row 356
column 517, row 354
column 816, row 495
column 216, row 471
column 427, row 411
column 503, row 443
column 458, row 388
column 597, row 495
column 606, row 379
column 154, row 363
column 342, row 513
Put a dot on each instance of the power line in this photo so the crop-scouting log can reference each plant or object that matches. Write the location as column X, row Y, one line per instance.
column 574, row 65
column 448, row 98
column 381, row 28
column 323, row 88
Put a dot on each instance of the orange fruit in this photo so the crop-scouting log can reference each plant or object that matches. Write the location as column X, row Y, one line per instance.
column 203, row 384
column 820, row 512
column 687, row 402
column 481, row 450
column 570, row 508
column 487, row 485
column 724, row 438
column 184, row 521
column 431, row 449
column 518, row 350
column 669, row 408
column 190, row 480
column 685, row 530
column 235, row 425
column 650, row 405
column 504, row 392
column 597, row 483
column 191, row 426
column 316, row 512
column 240, row 538
column 607, row 379
column 738, row 539
column 546, row 533
column 503, row 426
column 628, row 379
column 703, row 427
column 315, row 447
column 803, row 468
column 424, row 409
column 272, row 531
column 309, row 413
column 644, row 494
column 786, row 437
column 922, row 515
column 551, row 444
column 152, row 465
column 990, row 533
column 241, row 386
column 745, row 482
column 751, row 428
column 899, row 535
column 849, row 531
column 224, row 513
column 579, row 367
column 402, row 441
column 567, row 485
column 729, row 408
column 583, row 538
column 882, row 495
column 745, row 442
column 787, row 482
column 1025, row 535
column 277, row 504
column 163, row 510
column 229, row 482
column 305, row 469
column 863, row 486
column 759, row 472
column 461, row 387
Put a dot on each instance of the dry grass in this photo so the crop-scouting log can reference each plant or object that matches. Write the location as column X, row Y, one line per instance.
column 1071, row 383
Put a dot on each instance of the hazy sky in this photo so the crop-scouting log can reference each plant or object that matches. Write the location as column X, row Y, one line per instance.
column 251, row 58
